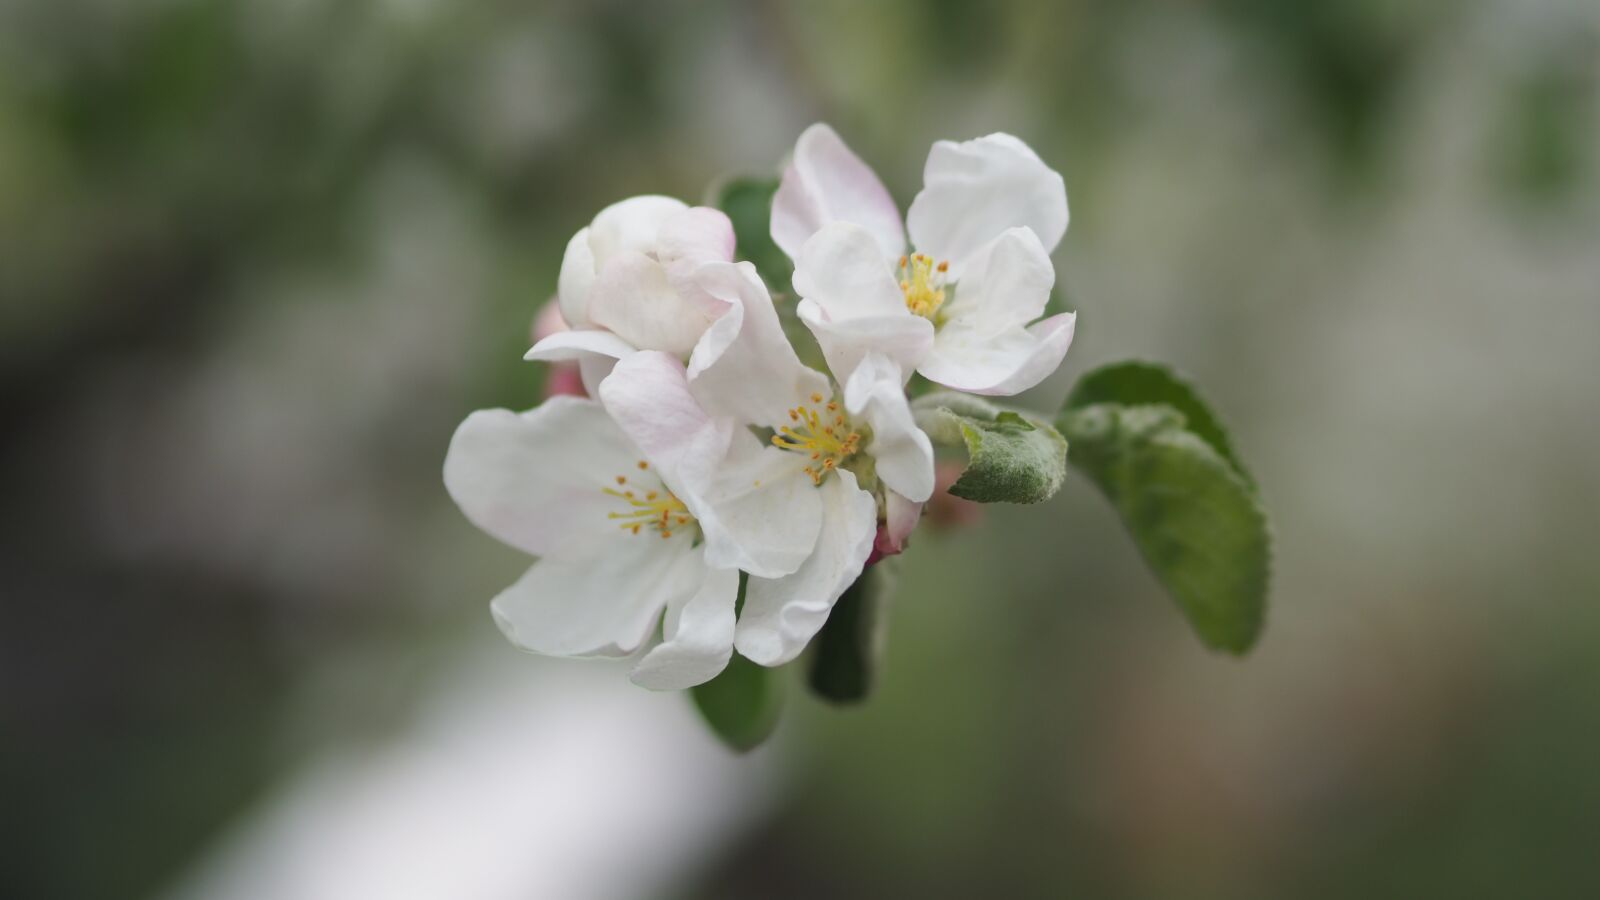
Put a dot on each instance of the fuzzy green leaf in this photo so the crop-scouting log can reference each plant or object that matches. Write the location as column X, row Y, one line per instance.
column 748, row 203
column 1135, row 383
column 1191, row 512
column 1011, row 457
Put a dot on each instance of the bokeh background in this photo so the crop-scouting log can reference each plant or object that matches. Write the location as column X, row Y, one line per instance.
column 257, row 259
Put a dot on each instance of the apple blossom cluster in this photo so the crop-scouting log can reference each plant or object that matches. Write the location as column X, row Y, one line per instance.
column 700, row 489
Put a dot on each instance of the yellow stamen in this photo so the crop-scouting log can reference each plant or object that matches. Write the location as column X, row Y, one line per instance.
column 657, row 511
column 826, row 443
column 923, row 284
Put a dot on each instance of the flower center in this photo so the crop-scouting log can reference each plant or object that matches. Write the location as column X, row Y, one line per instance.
column 823, row 433
column 658, row 510
column 922, row 281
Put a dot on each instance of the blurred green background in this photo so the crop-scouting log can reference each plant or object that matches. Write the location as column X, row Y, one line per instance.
column 257, row 259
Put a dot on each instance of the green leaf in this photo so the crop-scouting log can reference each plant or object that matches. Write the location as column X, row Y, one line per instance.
column 748, row 203
column 847, row 654
column 744, row 702
column 742, row 705
column 1135, row 383
column 1011, row 457
column 1192, row 513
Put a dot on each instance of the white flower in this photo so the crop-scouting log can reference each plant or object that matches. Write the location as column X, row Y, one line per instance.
column 957, row 309
column 655, row 497
column 629, row 282
column 807, row 473
column 615, row 541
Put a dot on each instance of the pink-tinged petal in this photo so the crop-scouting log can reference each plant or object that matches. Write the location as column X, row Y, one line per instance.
column 781, row 615
column 692, row 238
column 901, row 453
column 826, row 182
column 536, row 480
column 744, row 365
column 900, row 519
column 630, row 226
column 946, row 510
column 564, row 380
column 602, row 605
column 576, row 280
column 634, row 298
column 548, row 320
column 754, row 505
column 1006, row 286
column 974, row 190
column 1002, row 364
column 648, row 396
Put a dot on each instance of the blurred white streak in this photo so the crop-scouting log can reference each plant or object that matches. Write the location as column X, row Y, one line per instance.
column 531, row 780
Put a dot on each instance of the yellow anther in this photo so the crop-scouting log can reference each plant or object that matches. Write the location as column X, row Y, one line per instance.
column 923, row 284
column 658, row 510
column 824, row 437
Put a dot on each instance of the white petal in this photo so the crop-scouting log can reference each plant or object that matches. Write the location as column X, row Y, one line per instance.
column 697, row 634
column 634, row 298
column 569, row 345
column 782, row 615
column 825, row 182
column 692, row 238
column 973, row 191
column 603, row 605
column 853, row 304
column 902, row 453
column 756, row 508
column 630, row 226
column 575, row 281
column 999, row 364
column 762, row 512
column 905, row 339
column 592, row 370
column 596, row 352
column 648, row 396
column 900, row 519
column 1007, row 285
column 535, row 480
column 744, row 366
column 844, row 271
